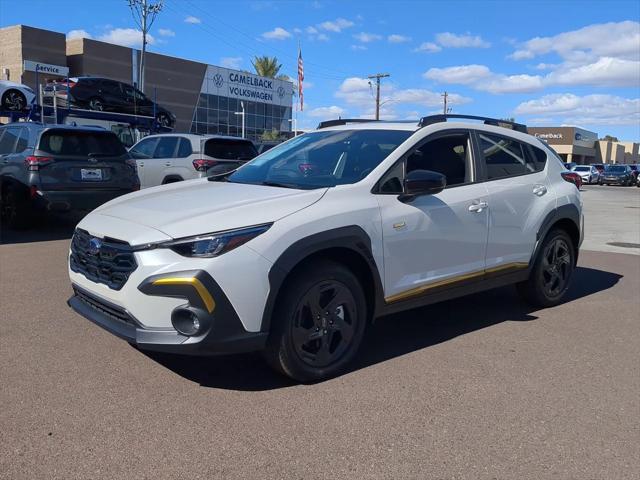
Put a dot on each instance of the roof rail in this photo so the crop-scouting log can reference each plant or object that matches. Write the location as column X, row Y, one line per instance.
column 431, row 119
column 344, row 121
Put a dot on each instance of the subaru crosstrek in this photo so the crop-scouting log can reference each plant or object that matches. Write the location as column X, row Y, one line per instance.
column 298, row 250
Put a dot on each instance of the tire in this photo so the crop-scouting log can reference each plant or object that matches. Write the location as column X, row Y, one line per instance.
column 96, row 104
column 164, row 120
column 552, row 270
column 15, row 208
column 318, row 323
column 14, row 101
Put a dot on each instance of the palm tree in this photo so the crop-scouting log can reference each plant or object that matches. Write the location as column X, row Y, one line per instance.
column 266, row 66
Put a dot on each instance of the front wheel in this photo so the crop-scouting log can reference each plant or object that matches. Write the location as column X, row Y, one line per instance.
column 14, row 101
column 96, row 104
column 318, row 323
column 552, row 270
column 164, row 120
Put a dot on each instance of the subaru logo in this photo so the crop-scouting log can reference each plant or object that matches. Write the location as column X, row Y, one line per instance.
column 281, row 92
column 218, row 80
column 94, row 246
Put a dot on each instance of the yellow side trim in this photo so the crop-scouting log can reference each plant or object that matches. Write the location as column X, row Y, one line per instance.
column 418, row 291
column 195, row 283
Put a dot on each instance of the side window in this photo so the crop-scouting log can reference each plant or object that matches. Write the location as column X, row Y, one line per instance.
column 8, row 140
column 504, row 157
column 111, row 87
column 166, row 147
column 184, row 149
column 144, row 148
column 23, row 140
column 449, row 155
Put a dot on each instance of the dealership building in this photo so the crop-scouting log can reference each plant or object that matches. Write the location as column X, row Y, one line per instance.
column 206, row 99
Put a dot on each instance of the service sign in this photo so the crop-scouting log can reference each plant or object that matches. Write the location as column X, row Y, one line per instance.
column 45, row 68
column 246, row 86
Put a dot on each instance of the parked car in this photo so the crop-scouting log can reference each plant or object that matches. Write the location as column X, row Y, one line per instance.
column 262, row 147
column 634, row 171
column 15, row 97
column 104, row 94
column 599, row 167
column 616, row 175
column 169, row 158
column 588, row 173
column 60, row 168
column 298, row 250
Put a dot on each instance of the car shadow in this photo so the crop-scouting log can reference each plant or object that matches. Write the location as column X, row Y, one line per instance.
column 389, row 337
column 46, row 229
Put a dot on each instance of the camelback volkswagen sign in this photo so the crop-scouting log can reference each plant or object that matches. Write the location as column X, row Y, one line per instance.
column 246, row 86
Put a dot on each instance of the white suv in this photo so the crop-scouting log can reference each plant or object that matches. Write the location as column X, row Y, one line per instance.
column 297, row 251
column 169, row 158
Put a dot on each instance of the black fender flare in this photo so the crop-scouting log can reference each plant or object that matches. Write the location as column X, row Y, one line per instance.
column 563, row 212
column 353, row 238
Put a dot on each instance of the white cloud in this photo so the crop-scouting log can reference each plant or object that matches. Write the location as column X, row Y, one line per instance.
column 233, row 63
column 336, row 25
column 605, row 72
column 78, row 34
column 395, row 38
column 367, row 37
column 327, row 112
column 463, row 74
column 511, row 84
column 322, row 37
column 358, row 48
column 277, row 33
column 428, row 47
column 166, row 32
column 585, row 110
column 192, row 19
column 586, row 44
column 127, row 37
column 311, row 30
column 452, row 40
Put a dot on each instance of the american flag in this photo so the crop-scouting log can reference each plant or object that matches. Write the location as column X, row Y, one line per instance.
column 300, row 79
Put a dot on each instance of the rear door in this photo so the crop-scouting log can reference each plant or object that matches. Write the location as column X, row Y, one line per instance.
column 519, row 198
column 162, row 161
column 83, row 160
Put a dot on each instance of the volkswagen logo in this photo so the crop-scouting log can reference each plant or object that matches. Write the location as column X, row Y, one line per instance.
column 218, row 80
column 281, row 92
column 94, row 246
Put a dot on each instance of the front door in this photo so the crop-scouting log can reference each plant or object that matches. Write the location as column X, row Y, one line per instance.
column 435, row 241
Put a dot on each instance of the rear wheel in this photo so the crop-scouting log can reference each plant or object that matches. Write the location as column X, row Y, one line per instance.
column 15, row 208
column 96, row 104
column 14, row 100
column 164, row 120
column 552, row 270
column 318, row 323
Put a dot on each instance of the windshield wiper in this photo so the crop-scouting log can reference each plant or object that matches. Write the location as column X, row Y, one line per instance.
column 278, row 184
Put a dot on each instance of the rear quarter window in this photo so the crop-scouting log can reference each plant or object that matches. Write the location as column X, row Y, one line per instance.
column 80, row 143
column 229, row 149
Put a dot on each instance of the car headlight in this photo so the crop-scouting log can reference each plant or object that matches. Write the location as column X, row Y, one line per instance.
column 214, row 244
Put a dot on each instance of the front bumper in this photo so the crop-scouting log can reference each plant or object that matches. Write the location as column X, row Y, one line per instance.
column 223, row 334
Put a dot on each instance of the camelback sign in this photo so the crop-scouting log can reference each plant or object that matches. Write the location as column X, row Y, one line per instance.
column 246, row 86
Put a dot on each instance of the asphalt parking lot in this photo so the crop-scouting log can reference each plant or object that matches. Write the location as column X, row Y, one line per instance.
column 477, row 388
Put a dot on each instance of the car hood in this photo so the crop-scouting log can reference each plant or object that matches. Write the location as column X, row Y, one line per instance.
column 195, row 207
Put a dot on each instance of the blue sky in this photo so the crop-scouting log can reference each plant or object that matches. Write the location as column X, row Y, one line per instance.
column 544, row 63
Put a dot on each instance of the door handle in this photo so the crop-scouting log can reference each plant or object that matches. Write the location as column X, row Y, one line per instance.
column 477, row 207
column 167, row 164
column 539, row 190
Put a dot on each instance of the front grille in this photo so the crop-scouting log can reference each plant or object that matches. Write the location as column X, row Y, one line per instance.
column 112, row 311
column 111, row 263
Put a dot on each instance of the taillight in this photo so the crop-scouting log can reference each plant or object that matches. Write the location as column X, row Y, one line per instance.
column 34, row 162
column 132, row 163
column 572, row 177
column 203, row 165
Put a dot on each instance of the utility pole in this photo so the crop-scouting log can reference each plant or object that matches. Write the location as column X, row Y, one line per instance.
column 378, row 76
column 144, row 14
column 445, row 95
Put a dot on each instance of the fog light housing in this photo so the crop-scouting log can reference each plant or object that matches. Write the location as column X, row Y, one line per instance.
column 187, row 321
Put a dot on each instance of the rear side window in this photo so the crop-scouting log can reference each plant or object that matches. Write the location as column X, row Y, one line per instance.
column 504, row 157
column 228, row 149
column 81, row 143
column 184, row 149
column 539, row 157
column 23, row 140
column 166, row 147
column 8, row 140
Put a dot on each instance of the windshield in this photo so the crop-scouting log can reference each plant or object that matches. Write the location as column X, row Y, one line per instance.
column 322, row 159
column 615, row 168
column 582, row 169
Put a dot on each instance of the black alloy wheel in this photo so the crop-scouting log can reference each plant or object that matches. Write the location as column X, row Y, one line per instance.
column 551, row 273
column 14, row 101
column 96, row 104
column 164, row 120
column 318, row 322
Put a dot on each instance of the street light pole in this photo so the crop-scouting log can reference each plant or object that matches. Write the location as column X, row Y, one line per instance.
column 241, row 113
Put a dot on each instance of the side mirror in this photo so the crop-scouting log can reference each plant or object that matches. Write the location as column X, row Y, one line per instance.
column 422, row 182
